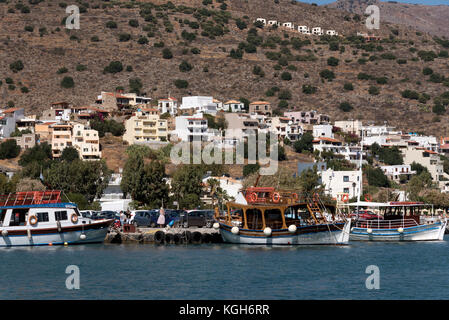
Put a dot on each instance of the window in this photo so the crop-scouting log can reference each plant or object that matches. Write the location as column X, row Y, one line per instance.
column 42, row 216
column 60, row 215
column 345, row 178
column 346, row 190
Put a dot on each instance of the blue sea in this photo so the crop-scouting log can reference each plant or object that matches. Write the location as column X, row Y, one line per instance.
column 414, row 270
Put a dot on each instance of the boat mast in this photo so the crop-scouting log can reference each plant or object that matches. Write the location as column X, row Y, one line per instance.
column 360, row 167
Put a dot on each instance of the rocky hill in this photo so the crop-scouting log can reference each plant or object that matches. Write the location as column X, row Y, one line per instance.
column 151, row 39
column 431, row 19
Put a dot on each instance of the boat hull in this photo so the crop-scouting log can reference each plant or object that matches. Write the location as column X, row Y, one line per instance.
column 332, row 234
column 426, row 232
column 94, row 233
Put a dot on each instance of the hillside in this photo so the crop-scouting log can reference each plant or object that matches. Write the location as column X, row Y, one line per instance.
column 35, row 35
column 431, row 19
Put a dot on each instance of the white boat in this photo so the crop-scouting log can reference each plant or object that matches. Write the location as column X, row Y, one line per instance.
column 39, row 218
column 395, row 221
column 281, row 218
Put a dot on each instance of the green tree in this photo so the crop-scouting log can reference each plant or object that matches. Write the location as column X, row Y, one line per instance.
column 304, row 144
column 69, row 154
column 9, row 149
column 187, row 186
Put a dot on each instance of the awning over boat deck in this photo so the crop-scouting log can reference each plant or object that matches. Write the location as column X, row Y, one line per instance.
column 386, row 204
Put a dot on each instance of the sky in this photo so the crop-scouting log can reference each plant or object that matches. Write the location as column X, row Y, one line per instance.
column 427, row 2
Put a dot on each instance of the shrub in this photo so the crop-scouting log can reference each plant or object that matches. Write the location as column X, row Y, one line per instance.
column 184, row 66
column 167, row 54
column 373, row 90
column 327, row 74
column 67, row 82
column 181, row 84
column 81, row 67
column 135, row 85
column 9, row 149
column 283, row 104
column 142, row 40
column 114, row 67
column 332, row 61
column 257, row 70
column 427, row 71
column 382, row 80
column 285, row 95
column 308, row 89
column 286, row 76
column 409, row 94
column 133, row 23
column 111, row 24
column 62, row 70
column 123, row 37
column 348, row 86
column 16, row 66
column 345, row 106
column 29, row 28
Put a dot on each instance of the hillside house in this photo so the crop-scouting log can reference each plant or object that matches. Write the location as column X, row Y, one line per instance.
column 307, row 117
column 317, row 31
column 261, row 107
column 234, row 106
column 8, row 120
column 145, row 126
column 169, row 105
column 338, row 182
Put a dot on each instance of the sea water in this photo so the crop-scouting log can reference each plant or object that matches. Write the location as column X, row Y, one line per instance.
column 412, row 270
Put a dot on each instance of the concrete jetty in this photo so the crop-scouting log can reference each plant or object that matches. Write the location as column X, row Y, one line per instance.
column 165, row 236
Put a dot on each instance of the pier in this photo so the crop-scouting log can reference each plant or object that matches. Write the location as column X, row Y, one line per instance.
column 178, row 236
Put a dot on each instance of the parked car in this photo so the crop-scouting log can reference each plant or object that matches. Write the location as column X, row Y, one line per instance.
column 365, row 214
column 197, row 218
column 147, row 218
column 87, row 213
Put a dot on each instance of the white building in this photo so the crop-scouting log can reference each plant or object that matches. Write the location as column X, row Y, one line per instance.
column 169, row 105
column 323, row 130
column 192, row 128
column 304, row 29
column 338, row 182
column 273, row 23
column 230, row 185
column 264, row 21
column 317, row 31
column 8, row 119
column 331, row 33
column 199, row 104
column 234, row 106
column 427, row 158
column 288, row 25
column 395, row 172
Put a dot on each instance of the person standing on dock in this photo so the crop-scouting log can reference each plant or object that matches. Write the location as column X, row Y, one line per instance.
column 161, row 218
column 122, row 217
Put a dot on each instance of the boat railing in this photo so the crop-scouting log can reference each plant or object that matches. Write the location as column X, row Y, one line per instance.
column 30, row 197
column 385, row 224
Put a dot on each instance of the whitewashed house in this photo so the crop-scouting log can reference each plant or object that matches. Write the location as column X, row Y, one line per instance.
column 264, row 21
column 199, row 104
column 395, row 172
column 169, row 105
column 322, row 130
column 338, row 182
column 234, row 106
column 331, row 33
column 273, row 23
column 192, row 128
column 317, row 31
column 288, row 25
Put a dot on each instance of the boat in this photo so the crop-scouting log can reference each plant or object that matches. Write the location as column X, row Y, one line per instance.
column 395, row 221
column 272, row 217
column 40, row 218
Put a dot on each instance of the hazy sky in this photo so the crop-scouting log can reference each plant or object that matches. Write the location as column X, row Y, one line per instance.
column 430, row 2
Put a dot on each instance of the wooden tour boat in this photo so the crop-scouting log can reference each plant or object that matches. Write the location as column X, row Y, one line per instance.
column 40, row 218
column 282, row 218
column 394, row 221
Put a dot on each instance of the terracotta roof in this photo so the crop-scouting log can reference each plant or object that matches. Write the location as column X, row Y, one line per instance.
column 117, row 95
column 11, row 110
column 232, row 101
column 260, row 102
column 430, row 151
column 326, row 139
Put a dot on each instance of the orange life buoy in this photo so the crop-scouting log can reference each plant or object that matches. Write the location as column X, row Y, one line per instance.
column 74, row 218
column 253, row 197
column 32, row 220
column 345, row 198
column 276, row 197
column 368, row 197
